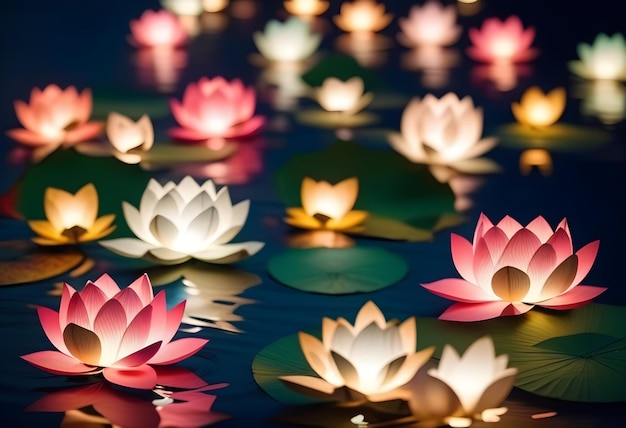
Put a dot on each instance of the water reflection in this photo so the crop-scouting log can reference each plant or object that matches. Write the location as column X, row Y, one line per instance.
column 368, row 49
column 159, row 69
column 212, row 292
column 434, row 62
column 318, row 239
column 602, row 99
column 502, row 77
column 101, row 404
column 535, row 158
column 462, row 185
column 213, row 22
column 282, row 86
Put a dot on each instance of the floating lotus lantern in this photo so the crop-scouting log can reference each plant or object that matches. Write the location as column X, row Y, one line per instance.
column 175, row 223
column 431, row 24
column 604, row 59
column 327, row 206
column 129, row 138
column 213, row 6
column 71, row 218
column 464, row 387
column 306, row 7
column 442, row 131
column 287, row 42
column 502, row 41
column 183, row 7
column 362, row 16
column 370, row 358
column 347, row 97
column 538, row 109
column 215, row 108
column 55, row 116
column 510, row 268
column 157, row 29
column 119, row 333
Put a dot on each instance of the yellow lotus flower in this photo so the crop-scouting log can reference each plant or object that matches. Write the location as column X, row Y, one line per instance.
column 346, row 97
column 71, row 218
column 306, row 7
column 362, row 16
column 327, row 206
column 373, row 357
column 539, row 110
column 125, row 136
column 463, row 387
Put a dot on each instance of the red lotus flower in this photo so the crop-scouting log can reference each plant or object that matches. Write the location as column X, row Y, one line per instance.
column 116, row 332
column 502, row 41
column 215, row 108
column 511, row 268
column 55, row 116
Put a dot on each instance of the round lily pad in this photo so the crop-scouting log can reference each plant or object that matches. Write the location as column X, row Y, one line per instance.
column 283, row 357
column 575, row 355
column 338, row 270
column 390, row 186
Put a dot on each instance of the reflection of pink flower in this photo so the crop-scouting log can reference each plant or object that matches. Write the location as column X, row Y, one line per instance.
column 55, row 116
column 502, row 41
column 187, row 408
column 215, row 108
column 157, row 29
column 116, row 332
column 510, row 268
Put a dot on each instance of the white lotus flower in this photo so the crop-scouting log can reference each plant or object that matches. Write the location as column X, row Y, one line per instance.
column 126, row 135
column 432, row 24
column 175, row 223
column 288, row 41
column 605, row 59
column 346, row 97
column 463, row 388
column 444, row 131
column 372, row 358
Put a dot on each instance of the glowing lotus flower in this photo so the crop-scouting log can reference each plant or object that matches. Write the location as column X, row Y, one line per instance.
column 55, row 116
column 116, row 332
column 442, row 131
column 215, row 108
column 175, row 223
column 183, row 7
column 71, row 218
column 289, row 41
column 605, row 59
column 306, row 7
column 157, row 29
column 362, row 16
column 510, row 268
column 371, row 358
column 327, row 206
column 432, row 24
column 347, row 97
column 539, row 110
column 213, row 6
column 502, row 41
column 464, row 387
column 126, row 135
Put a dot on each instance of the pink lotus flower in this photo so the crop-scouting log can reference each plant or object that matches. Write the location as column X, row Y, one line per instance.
column 502, row 41
column 510, row 268
column 116, row 332
column 157, row 29
column 55, row 116
column 215, row 108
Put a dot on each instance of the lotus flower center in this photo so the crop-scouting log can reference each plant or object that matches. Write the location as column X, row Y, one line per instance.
column 503, row 48
column 339, row 100
column 539, row 114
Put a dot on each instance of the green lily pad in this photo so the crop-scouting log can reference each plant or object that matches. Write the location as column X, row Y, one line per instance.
column 131, row 104
column 342, row 67
column 575, row 355
column 337, row 270
column 69, row 170
column 558, row 137
column 390, row 186
column 283, row 357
